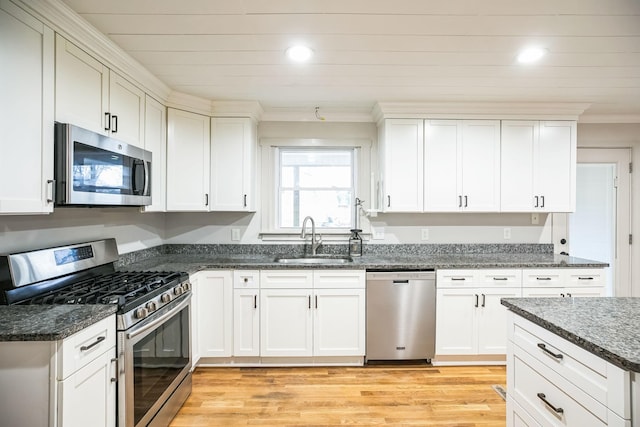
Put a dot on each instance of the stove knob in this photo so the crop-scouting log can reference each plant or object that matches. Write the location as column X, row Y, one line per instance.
column 166, row 297
column 151, row 306
column 178, row 290
column 186, row 286
column 140, row 313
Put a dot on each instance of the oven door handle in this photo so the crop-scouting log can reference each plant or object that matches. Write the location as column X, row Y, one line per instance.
column 143, row 328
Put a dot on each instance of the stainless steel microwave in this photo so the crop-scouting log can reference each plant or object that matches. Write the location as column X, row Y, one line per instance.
column 91, row 169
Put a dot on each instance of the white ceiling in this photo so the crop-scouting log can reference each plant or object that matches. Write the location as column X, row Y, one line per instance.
column 369, row 51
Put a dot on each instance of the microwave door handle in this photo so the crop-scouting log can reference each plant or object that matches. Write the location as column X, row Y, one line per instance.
column 134, row 187
column 146, row 177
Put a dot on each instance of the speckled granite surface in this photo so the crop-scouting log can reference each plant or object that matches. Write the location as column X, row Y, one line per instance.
column 606, row 327
column 195, row 262
column 48, row 323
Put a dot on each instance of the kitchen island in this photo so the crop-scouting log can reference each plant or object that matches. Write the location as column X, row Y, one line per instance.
column 573, row 361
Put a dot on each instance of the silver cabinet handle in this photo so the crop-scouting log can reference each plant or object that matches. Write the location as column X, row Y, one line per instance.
column 93, row 344
column 115, row 362
column 53, row 190
column 544, row 348
column 542, row 397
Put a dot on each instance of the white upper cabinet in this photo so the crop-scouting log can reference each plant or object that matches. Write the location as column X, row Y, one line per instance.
column 188, row 136
column 233, row 164
column 462, row 165
column 93, row 97
column 538, row 166
column 155, row 140
column 401, row 165
column 26, row 112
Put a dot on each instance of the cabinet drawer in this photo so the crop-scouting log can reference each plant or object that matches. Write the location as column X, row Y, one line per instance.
column 85, row 346
column 592, row 375
column 585, row 277
column 286, row 279
column 336, row 279
column 551, row 399
column 456, row 278
column 518, row 417
column 246, row 279
column 500, row 278
column 542, row 277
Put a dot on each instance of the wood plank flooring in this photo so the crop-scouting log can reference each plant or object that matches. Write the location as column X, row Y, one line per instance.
column 327, row 396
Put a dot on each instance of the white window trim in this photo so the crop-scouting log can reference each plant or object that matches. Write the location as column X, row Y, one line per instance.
column 269, row 186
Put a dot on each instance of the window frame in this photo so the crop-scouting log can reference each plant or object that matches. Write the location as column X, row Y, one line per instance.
column 269, row 152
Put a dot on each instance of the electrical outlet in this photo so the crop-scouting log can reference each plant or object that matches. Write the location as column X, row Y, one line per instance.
column 535, row 219
column 378, row 233
column 507, row 233
column 235, row 234
column 425, row 234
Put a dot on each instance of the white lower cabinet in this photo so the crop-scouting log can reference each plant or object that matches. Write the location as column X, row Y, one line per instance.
column 213, row 298
column 246, row 313
column 338, row 324
column 559, row 282
column 67, row 383
column 552, row 382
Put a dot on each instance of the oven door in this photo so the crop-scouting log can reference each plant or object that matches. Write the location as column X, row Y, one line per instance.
column 155, row 360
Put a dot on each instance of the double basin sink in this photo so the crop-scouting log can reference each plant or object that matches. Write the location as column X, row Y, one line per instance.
column 313, row 259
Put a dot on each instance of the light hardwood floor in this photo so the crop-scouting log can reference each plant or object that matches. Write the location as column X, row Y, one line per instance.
column 326, row 396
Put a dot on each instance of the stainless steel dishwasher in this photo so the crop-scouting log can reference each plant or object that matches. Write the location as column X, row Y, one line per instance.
column 401, row 315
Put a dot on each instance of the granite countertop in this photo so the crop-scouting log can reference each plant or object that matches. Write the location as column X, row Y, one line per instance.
column 607, row 327
column 47, row 322
column 192, row 263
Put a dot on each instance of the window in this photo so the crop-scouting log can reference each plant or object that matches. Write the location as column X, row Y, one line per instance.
column 319, row 182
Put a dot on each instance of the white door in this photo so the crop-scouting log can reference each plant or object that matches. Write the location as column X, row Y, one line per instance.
column 88, row 396
column 187, row 161
column 339, row 322
column 401, row 153
column 599, row 229
column 215, row 313
column 492, row 318
column 442, row 177
column 126, row 106
column 246, row 322
column 456, row 327
column 82, row 88
column 286, row 322
column 26, row 113
column 480, row 165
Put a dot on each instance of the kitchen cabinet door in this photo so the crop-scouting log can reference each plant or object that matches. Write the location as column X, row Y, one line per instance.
column 233, row 164
column 155, row 140
column 187, row 161
column 246, row 322
column 492, row 318
column 456, row 330
column 555, row 174
column 26, row 112
column 286, row 322
column 462, row 159
column 88, row 397
column 401, row 160
column 82, row 88
column 127, row 109
column 538, row 166
column 339, row 322
column 215, row 313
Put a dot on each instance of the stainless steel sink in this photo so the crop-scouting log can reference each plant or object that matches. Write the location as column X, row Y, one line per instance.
column 314, row 259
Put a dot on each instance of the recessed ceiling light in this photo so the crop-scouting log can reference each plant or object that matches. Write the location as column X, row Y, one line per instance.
column 531, row 54
column 299, row 53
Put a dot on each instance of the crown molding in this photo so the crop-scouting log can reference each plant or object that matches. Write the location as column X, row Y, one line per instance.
column 478, row 110
column 610, row 118
column 186, row 102
column 66, row 22
column 251, row 109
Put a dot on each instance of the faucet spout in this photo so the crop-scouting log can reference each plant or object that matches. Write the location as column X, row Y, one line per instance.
column 315, row 240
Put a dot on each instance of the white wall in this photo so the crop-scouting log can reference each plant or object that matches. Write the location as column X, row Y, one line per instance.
column 132, row 230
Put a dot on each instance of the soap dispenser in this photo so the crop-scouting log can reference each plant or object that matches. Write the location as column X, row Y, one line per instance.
column 355, row 243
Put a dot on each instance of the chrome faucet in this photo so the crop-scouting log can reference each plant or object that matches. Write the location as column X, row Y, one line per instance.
column 315, row 240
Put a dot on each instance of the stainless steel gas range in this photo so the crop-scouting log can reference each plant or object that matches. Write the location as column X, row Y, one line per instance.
column 152, row 321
